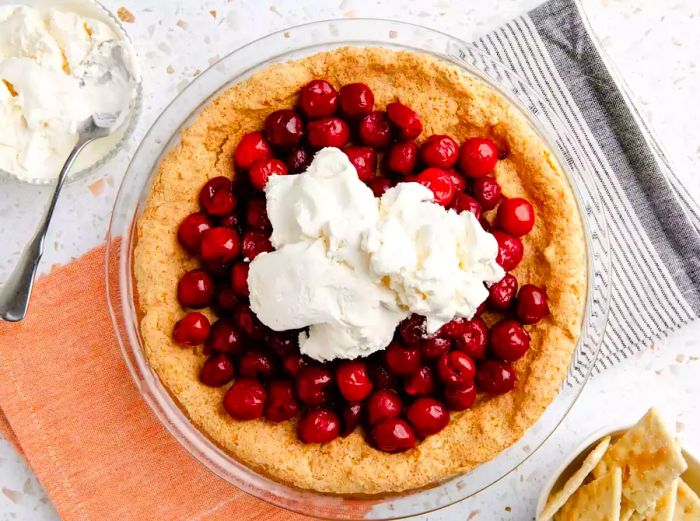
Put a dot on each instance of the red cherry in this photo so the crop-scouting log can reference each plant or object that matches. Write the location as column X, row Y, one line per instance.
column 215, row 268
column 216, row 196
column 515, row 216
column 402, row 361
column 239, row 278
column 502, row 293
column 474, row 338
column 195, row 289
column 466, row 203
column 284, row 128
column 402, row 157
column 317, row 99
column 380, row 376
column 318, row 426
column 226, row 299
column 256, row 364
column 456, row 369
column 283, row 343
column 532, row 304
column 224, row 338
column 412, row 330
column 191, row 229
column 245, row 399
column 393, row 435
column 191, row 330
column 248, row 323
column 375, row 130
column 478, row 157
column 293, row 364
column 281, row 403
column 254, row 243
column 314, row 385
column 510, row 250
column 509, row 341
column 353, row 381
column 364, row 159
column 256, row 215
column 220, row 245
column 495, row 377
column 434, row 347
column 460, row 398
column 454, row 328
column 328, row 132
column 230, row 221
column 262, row 169
column 299, row 160
column 356, row 99
column 384, row 403
column 405, row 119
column 438, row 150
column 439, row 182
column 458, row 181
column 251, row 147
column 351, row 414
column 487, row 192
column 421, row 383
column 428, row 416
column 379, row 185
column 216, row 371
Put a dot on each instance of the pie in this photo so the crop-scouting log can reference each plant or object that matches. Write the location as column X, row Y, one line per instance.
column 451, row 108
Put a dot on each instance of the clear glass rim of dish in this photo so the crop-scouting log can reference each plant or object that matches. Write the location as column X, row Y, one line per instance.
column 127, row 128
column 295, row 42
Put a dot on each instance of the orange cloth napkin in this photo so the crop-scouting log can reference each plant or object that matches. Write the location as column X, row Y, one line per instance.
column 70, row 406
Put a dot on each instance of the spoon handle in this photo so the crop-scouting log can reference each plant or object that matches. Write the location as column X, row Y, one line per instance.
column 14, row 295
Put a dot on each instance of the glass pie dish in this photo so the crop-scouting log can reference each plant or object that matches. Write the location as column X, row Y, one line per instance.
column 297, row 42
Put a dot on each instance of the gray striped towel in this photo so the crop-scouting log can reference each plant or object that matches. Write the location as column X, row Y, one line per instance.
column 653, row 223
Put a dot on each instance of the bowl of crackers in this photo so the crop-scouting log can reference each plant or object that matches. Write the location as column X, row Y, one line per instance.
column 633, row 473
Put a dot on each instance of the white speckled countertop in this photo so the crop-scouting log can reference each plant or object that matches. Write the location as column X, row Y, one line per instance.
column 656, row 47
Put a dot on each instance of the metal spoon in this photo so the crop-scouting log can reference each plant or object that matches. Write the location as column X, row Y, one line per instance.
column 14, row 295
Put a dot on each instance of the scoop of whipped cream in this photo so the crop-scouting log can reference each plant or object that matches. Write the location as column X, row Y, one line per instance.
column 57, row 69
column 350, row 266
column 434, row 260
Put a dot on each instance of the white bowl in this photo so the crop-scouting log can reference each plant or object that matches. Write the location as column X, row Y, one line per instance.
column 691, row 476
column 99, row 151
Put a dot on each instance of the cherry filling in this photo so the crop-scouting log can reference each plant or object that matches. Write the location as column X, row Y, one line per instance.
column 364, row 159
column 439, row 151
column 374, row 130
column 356, row 100
column 216, row 197
column 284, row 128
column 402, row 157
column 351, row 416
column 393, row 435
column 282, row 403
column 406, row 392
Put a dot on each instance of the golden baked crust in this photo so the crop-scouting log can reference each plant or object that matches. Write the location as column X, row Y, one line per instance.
column 448, row 103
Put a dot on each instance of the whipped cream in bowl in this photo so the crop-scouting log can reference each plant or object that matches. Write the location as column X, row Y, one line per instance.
column 348, row 267
column 57, row 67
